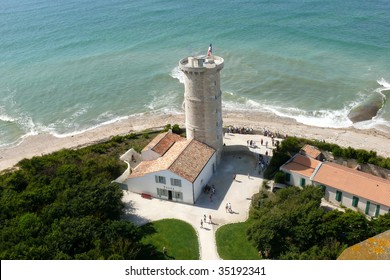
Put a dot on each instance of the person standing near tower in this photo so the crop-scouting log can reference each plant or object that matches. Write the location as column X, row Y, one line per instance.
column 210, row 50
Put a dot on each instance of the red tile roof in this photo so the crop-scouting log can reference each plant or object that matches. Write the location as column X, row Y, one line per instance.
column 185, row 158
column 362, row 184
column 162, row 142
column 192, row 160
column 302, row 165
column 311, row 151
column 165, row 143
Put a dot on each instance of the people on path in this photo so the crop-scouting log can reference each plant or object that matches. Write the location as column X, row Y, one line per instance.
column 229, row 207
column 209, row 219
column 201, row 223
column 204, row 217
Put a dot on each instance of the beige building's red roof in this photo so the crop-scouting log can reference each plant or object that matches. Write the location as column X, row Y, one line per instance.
column 362, row 184
column 302, row 165
column 192, row 160
column 186, row 158
column 154, row 141
column 311, row 151
column 162, row 142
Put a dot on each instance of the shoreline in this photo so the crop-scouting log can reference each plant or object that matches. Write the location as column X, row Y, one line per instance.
column 36, row 145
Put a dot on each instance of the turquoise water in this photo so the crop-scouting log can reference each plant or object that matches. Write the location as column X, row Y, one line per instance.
column 68, row 66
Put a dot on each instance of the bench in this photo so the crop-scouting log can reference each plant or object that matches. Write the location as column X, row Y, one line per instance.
column 146, row 195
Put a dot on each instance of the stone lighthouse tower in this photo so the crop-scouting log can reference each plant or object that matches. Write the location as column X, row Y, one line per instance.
column 202, row 98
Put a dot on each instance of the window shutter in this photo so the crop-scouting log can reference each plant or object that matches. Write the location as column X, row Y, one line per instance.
column 338, row 195
column 355, row 201
column 378, row 207
column 367, row 208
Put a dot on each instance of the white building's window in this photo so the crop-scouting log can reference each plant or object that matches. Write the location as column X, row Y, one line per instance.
column 160, row 179
column 355, row 201
column 162, row 192
column 179, row 195
column 339, row 194
column 176, row 182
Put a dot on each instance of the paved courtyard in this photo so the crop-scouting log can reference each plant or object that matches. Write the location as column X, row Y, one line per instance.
column 237, row 159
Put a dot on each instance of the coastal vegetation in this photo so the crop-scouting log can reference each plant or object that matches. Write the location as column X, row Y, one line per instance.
column 64, row 206
column 178, row 237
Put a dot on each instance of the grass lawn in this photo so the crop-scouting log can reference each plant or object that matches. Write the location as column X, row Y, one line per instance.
column 232, row 243
column 178, row 237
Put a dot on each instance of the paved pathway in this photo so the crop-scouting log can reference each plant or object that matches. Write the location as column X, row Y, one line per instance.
column 238, row 192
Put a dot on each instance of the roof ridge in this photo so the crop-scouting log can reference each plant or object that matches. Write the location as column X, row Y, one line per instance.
column 316, row 170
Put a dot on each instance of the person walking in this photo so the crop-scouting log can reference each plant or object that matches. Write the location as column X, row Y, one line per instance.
column 210, row 219
column 204, row 217
column 201, row 223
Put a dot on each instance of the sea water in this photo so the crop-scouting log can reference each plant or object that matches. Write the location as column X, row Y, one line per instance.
column 69, row 66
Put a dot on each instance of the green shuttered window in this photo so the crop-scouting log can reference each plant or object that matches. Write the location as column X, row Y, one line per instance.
column 367, row 208
column 338, row 195
column 355, row 201
column 378, row 207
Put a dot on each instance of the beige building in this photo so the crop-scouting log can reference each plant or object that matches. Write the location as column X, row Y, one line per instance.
column 345, row 186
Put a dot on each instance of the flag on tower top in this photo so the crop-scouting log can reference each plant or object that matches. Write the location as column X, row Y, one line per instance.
column 210, row 50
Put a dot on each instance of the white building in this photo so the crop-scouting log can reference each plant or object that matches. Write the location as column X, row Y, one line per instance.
column 299, row 170
column 173, row 168
column 345, row 186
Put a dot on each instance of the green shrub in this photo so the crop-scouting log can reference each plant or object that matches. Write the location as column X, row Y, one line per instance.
column 279, row 177
column 167, row 127
column 176, row 129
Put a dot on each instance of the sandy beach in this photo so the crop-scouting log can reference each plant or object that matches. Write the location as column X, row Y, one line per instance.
column 46, row 143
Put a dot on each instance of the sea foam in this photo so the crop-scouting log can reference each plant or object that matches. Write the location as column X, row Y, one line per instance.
column 177, row 74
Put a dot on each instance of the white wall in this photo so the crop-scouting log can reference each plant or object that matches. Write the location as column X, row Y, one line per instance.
column 295, row 179
column 147, row 184
column 124, row 176
column 205, row 176
column 347, row 198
